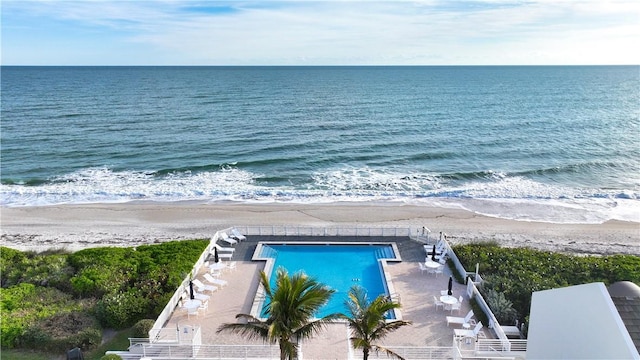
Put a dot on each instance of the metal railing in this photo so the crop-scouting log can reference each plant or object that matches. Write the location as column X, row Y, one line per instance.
column 414, row 352
column 156, row 331
column 499, row 346
column 295, row 230
column 181, row 352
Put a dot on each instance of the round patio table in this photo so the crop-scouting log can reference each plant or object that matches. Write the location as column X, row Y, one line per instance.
column 432, row 264
column 192, row 304
column 448, row 299
column 217, row 266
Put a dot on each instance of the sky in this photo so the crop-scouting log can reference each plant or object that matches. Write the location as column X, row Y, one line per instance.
column 302, row 32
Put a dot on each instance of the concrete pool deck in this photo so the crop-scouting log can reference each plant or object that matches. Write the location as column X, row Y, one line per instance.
column 416, row 291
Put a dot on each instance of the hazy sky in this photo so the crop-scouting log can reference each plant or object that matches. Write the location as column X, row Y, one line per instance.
column 431, row 32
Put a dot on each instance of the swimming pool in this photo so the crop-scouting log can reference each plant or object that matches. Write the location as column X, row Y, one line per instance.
column 338, row 265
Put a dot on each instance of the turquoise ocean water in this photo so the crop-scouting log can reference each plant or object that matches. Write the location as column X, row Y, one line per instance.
column 552, row 143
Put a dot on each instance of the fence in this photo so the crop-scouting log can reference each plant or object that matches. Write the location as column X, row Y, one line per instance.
column 414, row 352
column 182, row 352
column 324, row 231
column 155, row 334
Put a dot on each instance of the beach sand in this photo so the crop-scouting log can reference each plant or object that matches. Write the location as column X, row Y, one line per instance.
column 74, row 227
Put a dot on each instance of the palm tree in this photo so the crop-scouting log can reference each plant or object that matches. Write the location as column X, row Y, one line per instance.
column 290, row 309
column 368, row 323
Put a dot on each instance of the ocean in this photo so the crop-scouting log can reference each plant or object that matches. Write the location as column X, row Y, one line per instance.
column 532, row 143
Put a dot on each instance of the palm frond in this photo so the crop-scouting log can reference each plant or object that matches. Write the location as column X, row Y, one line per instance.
column 389, row 352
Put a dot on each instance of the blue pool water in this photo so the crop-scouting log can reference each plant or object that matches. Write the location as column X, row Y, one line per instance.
column 338, row 266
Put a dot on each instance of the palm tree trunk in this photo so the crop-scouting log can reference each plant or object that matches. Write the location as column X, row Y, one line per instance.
column 365, row 354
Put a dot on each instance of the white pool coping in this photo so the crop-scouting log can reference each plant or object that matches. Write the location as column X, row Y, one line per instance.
column 258, row 300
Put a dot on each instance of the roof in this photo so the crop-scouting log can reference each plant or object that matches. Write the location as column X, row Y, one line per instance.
column 626, row 297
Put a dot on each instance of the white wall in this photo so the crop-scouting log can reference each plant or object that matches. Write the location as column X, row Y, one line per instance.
column 577, row 322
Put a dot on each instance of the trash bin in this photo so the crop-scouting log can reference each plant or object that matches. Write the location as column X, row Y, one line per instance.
column 75, row 354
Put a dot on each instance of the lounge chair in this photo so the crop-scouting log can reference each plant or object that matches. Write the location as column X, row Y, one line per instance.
column 224, row 237
column 464, row 333
column 460, row 320
column 212, row 280
column 237, row 235
column 429, row 248
column 224, row 249
column 203, row 287
column 221, row 255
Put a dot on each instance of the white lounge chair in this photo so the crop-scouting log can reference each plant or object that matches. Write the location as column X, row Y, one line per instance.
column 465, row 333
column 203, row 287
column 221, row 255
column 428, row 249
column 212, row 280
column 224, row 237
column 236, row 234
column 224, row 249
column 460, row 320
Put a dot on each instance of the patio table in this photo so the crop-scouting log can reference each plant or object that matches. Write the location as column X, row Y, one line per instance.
column 432, row 264
column 449, row 300
column 191, row 304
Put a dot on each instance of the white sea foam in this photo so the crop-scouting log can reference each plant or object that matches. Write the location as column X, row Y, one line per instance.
column 496, row 194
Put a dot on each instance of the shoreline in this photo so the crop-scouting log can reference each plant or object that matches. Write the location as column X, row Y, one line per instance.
column 74, row 227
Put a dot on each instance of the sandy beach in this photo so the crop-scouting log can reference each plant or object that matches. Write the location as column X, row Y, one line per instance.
column 74, row 227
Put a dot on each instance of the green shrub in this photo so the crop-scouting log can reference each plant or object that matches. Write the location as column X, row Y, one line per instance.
column 142, row 327
column 122, row 309
column 61, row 332
column 518, row 272
column 501, row 307
column 119, row 285
column 111, row 357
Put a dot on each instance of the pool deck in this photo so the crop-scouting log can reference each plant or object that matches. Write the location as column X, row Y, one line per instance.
column 416, row 291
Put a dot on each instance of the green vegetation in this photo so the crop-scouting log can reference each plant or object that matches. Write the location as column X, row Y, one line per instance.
column 367, row 321
column 290, row 308
column 56, row 301
column 514, row 274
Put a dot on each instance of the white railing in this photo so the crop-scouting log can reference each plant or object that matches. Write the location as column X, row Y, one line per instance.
column 323, row 231
column 413, row 352
column 498, row 346
column 156, row 331
column 181, row 352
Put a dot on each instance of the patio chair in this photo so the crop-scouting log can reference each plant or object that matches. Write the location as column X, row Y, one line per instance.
column 460, row 320
column 437, row 302
column 423, row 268
column 236, row 234
column 202, row 287
column 192, row 311
column 457, row 306
column 232, row 265
column 439, row 270
column 212, row 280
column 205, row 306
column 224, row 237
